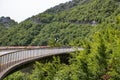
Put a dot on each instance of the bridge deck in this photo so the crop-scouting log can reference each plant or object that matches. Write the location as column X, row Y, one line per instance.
column 12, row 58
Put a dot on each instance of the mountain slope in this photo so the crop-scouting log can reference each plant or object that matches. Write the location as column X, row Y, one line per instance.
column 5, row 24
column 63, row 24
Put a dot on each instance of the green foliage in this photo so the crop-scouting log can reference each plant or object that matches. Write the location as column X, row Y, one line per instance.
column 5, row 24
column 71, row 22
column 100, row 59
column 18, row 76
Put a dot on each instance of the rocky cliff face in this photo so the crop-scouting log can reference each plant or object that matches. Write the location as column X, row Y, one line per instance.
column 7, row 22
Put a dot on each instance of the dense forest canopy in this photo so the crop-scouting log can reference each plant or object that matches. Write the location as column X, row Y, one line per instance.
column 91, row 24
column 64, row 24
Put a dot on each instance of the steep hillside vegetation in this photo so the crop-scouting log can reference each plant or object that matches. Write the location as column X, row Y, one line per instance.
column 100, row 60
column 5, row 24
column 65, row 24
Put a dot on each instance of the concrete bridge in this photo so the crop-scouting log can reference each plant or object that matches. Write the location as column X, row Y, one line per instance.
column 12, row 57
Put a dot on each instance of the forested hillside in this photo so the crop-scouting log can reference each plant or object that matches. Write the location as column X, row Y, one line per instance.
column 5, row 24
column 92, row 24
column 64, row 24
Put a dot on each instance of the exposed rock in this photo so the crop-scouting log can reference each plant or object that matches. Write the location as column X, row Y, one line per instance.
column 94, row 23
column 7, row 22
column 36, row 20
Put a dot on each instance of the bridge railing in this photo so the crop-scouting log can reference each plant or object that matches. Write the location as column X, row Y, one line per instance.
column 12, row 58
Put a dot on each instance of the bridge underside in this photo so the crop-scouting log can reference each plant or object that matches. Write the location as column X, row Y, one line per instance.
column 29, row 66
